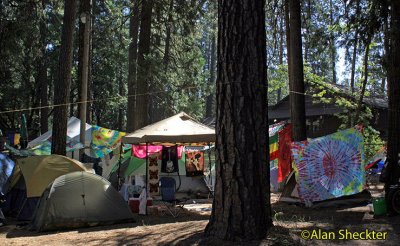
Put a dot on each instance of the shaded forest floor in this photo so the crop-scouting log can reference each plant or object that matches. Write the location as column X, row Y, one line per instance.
column 187, row 229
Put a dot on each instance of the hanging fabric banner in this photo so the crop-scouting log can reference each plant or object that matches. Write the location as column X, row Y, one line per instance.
column 140, row 150
column 153, row 175
column 194, row 163
column 284, row 152
column 104, row 140
column 330, row 167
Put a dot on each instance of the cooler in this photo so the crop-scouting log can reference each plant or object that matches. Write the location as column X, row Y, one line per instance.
column 134, row 204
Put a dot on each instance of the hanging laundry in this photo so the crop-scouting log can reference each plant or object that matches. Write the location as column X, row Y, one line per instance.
column 169, row 161
column 105, row 140
column 194, row 163
column 140, row 150
column 284, row 152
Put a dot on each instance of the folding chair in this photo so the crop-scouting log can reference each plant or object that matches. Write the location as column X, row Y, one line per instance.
column 168, row 192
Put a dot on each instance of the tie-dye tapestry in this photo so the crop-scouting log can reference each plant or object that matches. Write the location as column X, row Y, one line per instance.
column 104, row 140
column 329, row 167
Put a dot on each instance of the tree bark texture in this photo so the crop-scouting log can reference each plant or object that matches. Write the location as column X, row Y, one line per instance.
column 132, row 69
column 84, row 47
column 332, row 44
column 353, row 61
column 44, row 111
column 393, row 147
column 62, row 88
column 144, row 68
column 241, row 207
column 168, row 29
column 287, row 27
column 297, row 97
column 210, row 100
column 364, row 85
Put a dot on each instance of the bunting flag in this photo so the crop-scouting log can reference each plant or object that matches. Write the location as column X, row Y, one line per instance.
column 13, row 138
column 273, row 147
column 273, row 140
column 330, row 167
column 104, row 140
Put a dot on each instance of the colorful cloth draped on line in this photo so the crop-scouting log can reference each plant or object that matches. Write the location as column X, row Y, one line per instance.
column 13, row 138
column 140, row 150
column 273, row 140
column 104, row 140
column 194, row 163
column 284, row 152
column 329, row 167
column 153, row 175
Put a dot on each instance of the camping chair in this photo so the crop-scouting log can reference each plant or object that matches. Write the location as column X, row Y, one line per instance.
column 168, row 196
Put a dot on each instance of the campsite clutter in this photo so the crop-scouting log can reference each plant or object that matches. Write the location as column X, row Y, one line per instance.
column 147, row 168
column 55, row 192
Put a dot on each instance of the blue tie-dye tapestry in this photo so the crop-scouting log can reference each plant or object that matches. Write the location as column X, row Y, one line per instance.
column 329, row 167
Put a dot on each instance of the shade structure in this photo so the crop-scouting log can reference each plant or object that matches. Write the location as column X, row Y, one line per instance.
column 40, row 171
column 178, row 129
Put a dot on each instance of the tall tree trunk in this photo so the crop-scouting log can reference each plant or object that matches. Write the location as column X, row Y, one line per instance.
column 281, row 35
column 89, row 110
column 393, row 145
column 84, row 47
column 364, row 85
column 121, row 91
column 287, row 27
column 297, row 98
column 132, row 70
column 332, row 43
column 44, row 111
column 213, row 58
column 144, row 69
column 353, row 61
column 307, row 21
column 166, row 110
column 168, row 35
column 241, row 207
column 61, row 90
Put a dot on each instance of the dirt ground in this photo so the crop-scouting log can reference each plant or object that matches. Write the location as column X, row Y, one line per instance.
column 187, row 229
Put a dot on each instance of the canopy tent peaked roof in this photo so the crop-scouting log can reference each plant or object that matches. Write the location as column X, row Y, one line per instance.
column 180, row 128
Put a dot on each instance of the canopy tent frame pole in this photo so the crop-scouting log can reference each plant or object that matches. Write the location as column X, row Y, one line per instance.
column 147, row 172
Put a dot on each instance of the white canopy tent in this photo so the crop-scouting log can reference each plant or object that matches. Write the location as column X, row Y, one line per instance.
column 178, row 129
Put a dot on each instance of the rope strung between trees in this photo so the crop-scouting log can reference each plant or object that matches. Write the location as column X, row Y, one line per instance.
column 127, row 96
